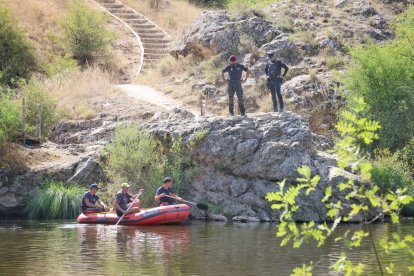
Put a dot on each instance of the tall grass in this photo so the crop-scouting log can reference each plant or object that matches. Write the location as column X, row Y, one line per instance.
column 54, row 201
column 76, row 91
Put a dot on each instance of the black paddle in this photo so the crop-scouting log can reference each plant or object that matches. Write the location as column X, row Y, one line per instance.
column 199, row 205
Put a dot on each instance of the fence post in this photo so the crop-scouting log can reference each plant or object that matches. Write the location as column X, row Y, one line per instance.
column 40, row 127
column 24, row 117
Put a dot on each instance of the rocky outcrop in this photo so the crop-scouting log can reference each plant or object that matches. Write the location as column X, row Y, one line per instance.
column 214, row 32
column 15, row 186
column 241, row 159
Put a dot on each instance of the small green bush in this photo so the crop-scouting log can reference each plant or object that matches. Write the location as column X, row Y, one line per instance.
column 389, row 174
column 10, row 116
column 61, row 64
column 54, row 201
column 17, row 58
column 41, row 110
column 383, row 75
column 406, row 154
column 143, row 161
column 243, row 5
column 210, row 3
column 85, row 35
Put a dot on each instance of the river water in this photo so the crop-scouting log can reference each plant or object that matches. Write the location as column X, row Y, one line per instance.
column 194, row 248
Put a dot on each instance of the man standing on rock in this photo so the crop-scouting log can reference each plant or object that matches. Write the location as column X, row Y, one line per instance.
column 234, row 83
column 274, row 79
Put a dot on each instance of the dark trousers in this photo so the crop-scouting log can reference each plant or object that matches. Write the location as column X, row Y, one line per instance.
column 275, row 87
column 235, row 87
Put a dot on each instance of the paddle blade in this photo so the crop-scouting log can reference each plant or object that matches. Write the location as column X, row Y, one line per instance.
column 202, row 206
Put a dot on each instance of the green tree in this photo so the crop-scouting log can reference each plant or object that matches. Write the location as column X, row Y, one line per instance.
column 384, row 76
column 353, row 130
column 17, row 58
column 85, row 35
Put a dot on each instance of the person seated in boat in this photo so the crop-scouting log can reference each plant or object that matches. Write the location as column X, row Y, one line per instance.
column 165, row 193
column 91, row 202
column 124, row 199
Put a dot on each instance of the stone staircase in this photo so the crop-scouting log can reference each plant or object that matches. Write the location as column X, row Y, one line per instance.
column 156, row 43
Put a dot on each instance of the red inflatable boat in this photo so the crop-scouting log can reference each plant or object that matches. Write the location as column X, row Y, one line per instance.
column 152, row 216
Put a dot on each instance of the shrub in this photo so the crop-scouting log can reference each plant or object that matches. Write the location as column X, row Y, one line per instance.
column 41, row 110
column 54, row 201
column 85, row 35
column 210, row 3
column 17, row 59
column 10, row 116
column 383, row 75
column 60, row 64
column 390, row 174
column 243, row 5
column 334, row 61
column 406, row 154
column 137, row 157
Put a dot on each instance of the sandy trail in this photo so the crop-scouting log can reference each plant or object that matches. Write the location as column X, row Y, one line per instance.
column 155, row 97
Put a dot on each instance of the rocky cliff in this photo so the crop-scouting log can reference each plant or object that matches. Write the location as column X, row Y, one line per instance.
column 241, row 159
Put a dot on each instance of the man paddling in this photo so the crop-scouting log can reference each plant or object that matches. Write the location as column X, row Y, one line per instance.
column 91, row 202
column 124, row 199
column 164, row 190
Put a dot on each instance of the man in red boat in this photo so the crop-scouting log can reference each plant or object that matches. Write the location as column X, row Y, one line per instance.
column 165, row 192
column 91, row 201
column 123, row 200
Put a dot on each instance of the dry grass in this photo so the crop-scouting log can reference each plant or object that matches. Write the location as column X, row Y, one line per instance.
column 12, row 156
column 174, row 16
column 78, row 92
column 38, row 18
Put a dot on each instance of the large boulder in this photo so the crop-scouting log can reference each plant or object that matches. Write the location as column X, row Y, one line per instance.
column 215, row 32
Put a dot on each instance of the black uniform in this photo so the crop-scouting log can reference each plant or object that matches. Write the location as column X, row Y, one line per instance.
column 274, row 82
column 235, row 72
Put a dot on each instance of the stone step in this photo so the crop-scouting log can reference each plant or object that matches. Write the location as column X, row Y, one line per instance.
column 125, row 15
column 153, row 35
column 105, row 1
column 163, row 51
column 155, row 40
column 110, row 6
column 142, row 25
column 154, row 55
column 156, row 45
column 118, row 10
column 138, row 20
column 148, row 31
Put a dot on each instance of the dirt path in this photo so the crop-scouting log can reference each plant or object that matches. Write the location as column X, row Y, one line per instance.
column 155, row 97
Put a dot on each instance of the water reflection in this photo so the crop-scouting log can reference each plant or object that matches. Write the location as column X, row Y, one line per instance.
column 196, row 249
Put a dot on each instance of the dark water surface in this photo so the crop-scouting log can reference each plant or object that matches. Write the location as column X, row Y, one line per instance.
column 196, row 248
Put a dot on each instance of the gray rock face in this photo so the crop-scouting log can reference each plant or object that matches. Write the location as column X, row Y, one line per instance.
column 15, row 186
column 215, row 33
column 242, row 158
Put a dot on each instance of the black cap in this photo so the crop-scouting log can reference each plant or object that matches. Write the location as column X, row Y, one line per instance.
column 167, row 179
column 270, row 54
column 94, row 186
